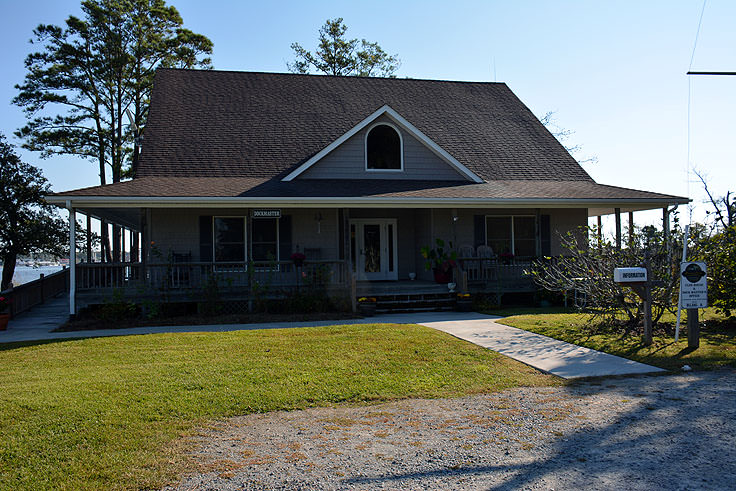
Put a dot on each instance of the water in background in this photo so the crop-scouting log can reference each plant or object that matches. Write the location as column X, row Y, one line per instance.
column 24, row 274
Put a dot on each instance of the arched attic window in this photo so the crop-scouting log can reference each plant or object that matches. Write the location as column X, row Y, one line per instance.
column 383, row 149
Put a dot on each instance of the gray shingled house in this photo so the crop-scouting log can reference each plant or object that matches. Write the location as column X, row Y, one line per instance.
column 239, row 171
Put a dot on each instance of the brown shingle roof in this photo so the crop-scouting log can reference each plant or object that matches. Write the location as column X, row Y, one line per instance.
column 262, row 125
column 244, row 187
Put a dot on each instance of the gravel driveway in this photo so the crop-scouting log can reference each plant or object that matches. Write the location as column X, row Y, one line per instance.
column 666, row 432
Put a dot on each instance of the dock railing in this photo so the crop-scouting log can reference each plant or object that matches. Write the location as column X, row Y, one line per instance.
column 28, row 295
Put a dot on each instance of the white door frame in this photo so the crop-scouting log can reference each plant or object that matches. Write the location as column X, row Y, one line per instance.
column 359, row 256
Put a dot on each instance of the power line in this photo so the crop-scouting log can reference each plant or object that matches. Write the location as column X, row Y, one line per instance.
column 697, row 35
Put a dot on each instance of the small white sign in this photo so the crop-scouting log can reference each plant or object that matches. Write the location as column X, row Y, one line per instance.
column 266, row 213
column 630, row 275
column 693, row 285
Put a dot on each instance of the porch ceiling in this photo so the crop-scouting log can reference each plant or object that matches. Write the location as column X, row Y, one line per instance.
column 126, row 217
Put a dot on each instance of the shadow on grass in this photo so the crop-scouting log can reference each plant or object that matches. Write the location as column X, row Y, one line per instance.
column 25, row 344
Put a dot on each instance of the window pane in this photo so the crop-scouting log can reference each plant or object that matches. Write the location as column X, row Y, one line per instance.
column 264, row 252
column 229, row 229
column 498, row 231
column 524, row 228
column 229, row 252
column 525, row 243
column 384, row 148
column 525, row 248
column 229, row 239
column 264, row 239
column 264, row 229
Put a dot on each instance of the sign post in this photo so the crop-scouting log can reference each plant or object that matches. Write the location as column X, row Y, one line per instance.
column 639, row 280
column 694, row 295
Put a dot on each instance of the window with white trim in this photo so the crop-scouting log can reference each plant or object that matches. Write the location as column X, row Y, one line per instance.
column 512, row 234
column 265, row 239
column 228, row 239
column 383, row 149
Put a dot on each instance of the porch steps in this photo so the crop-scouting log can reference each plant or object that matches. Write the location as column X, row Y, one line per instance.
column 419, row 302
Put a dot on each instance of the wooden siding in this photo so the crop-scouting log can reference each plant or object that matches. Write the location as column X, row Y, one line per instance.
column 348, row 161
column 176, row 230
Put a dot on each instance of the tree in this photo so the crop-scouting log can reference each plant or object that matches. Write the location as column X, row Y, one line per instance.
column 91, row 72
column 587, row 267
column 28, row 225
column 336, row 55
column 724, row 207
column 716, row 246
column 562, row 135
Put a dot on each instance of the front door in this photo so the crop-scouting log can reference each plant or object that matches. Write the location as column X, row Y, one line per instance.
column 374, row 248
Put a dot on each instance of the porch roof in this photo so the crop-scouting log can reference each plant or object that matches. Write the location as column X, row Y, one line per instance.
column 158, row 191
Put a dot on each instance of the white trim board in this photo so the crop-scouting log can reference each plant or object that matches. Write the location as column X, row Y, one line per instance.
column 403, row 123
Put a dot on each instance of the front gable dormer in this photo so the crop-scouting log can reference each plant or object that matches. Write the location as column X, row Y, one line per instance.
column 383, row 146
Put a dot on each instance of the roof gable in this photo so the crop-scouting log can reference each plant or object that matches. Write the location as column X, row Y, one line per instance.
column 405, row 125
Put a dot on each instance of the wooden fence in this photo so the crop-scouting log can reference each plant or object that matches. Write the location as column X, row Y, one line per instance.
column 28, row 295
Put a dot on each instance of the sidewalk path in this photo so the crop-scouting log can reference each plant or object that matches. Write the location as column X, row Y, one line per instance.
column 550, row 355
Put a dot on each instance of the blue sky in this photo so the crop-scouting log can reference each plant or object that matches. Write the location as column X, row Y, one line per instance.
column 614, row 72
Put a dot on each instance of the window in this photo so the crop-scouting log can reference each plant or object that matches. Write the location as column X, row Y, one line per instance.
column 383, row 149
column 512, row 234
column 229, row 239
column 265, row 239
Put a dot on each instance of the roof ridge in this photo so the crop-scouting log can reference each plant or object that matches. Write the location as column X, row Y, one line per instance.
column 315, row 75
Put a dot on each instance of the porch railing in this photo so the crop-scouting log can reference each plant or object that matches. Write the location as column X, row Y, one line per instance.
column 496, row 274
column 28, row 295
column 97, row 277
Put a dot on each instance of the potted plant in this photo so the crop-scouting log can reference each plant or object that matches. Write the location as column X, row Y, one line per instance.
column 507, row 257
column 367, row 306
column 464, row 302
column 4, row 313
column 440, row 260
column 298, row 259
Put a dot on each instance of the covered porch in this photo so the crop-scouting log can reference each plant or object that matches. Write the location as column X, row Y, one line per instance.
column 178, row 254
column 177, row 251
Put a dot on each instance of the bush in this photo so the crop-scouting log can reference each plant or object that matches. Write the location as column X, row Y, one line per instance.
column 719, row 253
column 587, row 267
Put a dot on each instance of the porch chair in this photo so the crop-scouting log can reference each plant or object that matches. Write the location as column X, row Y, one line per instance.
column 471, row 266
column 180, row 269
column 485, row 253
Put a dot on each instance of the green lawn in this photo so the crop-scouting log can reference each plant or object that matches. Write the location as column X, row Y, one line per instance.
column 717, row 340
column 114, row 413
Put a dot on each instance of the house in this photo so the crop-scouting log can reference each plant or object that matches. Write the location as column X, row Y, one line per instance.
column 240, row 170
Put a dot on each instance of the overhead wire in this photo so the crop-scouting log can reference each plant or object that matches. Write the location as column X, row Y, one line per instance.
column 689, row 104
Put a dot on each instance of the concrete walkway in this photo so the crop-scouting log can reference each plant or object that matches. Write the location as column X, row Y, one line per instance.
column 549, row 355
column 557, row 357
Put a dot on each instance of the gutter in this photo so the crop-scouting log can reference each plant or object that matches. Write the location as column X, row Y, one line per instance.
column 359, row 202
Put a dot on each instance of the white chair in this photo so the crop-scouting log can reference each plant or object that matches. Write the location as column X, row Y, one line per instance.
column 486, row 252
column 487, row 270
column 466, row 251
column 471, row 266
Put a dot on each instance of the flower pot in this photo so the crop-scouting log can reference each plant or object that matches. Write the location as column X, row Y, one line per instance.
column 367, row 309
column 4, row 318
column 442, row 276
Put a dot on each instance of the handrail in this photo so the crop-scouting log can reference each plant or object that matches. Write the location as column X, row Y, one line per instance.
column 194, row 275
column 28, row 295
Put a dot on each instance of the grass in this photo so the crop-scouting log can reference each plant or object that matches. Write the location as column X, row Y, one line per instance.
column 717, row 339
column 115, row 413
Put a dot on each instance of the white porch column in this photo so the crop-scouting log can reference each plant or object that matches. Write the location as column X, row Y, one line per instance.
column 72, row 258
